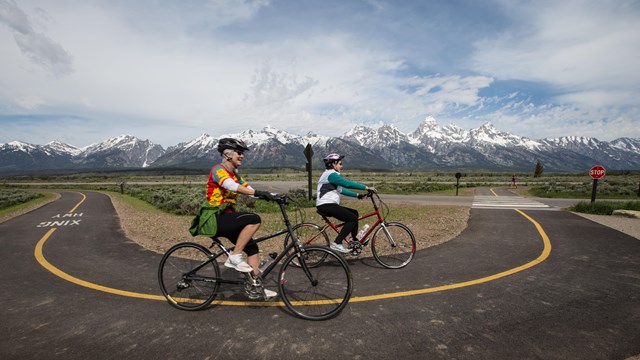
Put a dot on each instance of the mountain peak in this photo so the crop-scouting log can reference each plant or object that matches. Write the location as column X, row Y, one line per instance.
column 429, row 147
column 63, row 148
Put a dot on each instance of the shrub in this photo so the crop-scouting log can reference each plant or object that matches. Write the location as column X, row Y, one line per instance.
column 12, row 197
column 604, row 207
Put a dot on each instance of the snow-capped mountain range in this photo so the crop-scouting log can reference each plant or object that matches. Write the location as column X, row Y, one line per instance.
column 429, row 147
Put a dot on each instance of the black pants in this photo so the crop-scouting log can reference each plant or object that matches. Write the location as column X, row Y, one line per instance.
column 347, row 215
column 230, row 224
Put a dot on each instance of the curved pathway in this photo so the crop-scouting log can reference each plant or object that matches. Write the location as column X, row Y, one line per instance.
column 514, row 284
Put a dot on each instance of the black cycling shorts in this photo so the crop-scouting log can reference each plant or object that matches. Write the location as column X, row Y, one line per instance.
column 230, row 224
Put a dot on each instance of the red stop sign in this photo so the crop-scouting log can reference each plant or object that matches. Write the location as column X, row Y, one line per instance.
column 597, row 172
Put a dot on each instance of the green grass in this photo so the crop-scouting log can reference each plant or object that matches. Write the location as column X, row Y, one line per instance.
column 183, row 194
column 17, row 203
column 133, row 201
column 604, row 207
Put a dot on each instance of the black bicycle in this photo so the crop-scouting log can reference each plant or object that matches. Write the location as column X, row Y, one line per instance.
column 190, row 277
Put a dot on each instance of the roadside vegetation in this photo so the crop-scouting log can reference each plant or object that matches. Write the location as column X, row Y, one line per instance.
column 604, row 207
column 18, row 201
column 183, row 194
column 11, row 198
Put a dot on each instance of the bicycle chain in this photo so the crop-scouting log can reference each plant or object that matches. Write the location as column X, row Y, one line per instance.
column 253, row 287
column 356, row 248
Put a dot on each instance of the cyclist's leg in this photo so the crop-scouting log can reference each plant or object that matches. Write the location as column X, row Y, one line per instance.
column 347, row 215
column 245, row 244
column 239, row 228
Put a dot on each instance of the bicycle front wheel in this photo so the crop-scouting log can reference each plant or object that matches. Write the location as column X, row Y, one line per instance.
column 189, row 276
column 308, row 235
column 393, row 245
column 315, row 293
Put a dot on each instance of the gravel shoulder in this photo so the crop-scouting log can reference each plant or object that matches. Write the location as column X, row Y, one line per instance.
column 627, row 225
column 157, row 230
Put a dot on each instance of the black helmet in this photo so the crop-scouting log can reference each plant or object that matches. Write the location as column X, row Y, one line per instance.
column 233, row 144
column 331, row 158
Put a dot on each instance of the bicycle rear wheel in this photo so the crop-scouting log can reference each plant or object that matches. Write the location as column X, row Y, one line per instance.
column 308, row 235
column 188, row 276
column 315, row 293
column 393, row 245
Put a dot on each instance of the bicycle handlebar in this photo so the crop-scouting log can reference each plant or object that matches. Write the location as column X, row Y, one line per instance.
column 277, row 198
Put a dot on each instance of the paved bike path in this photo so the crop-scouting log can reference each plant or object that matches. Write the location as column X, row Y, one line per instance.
column 580, row 301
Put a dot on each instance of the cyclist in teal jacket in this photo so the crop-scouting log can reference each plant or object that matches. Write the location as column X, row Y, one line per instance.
column 330, row 186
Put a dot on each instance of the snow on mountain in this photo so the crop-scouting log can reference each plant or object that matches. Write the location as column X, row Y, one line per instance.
column 429, row 146
column 203, row 144
column 251, row 137
column 488, row 134
column 627, row 144
column 122, row 142
column 429, row 131
column 64, row 148
column 18, row 146
column 619, row 154
column 376, row 138
column 122, row 151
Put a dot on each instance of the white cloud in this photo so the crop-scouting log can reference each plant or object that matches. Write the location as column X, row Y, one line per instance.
column 169, row 73
column 576, row 46
column 36, row 46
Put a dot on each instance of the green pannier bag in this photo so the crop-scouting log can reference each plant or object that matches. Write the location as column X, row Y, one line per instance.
column 204, row 223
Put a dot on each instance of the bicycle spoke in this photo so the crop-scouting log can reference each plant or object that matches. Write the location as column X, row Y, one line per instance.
column 186, row 279
column 325, row 294
column 308, row 235
column 393, row 245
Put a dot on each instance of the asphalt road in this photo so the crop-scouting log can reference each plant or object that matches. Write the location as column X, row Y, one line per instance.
column 533, row 283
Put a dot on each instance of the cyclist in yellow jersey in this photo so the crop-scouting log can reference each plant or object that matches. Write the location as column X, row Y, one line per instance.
column 223, row 187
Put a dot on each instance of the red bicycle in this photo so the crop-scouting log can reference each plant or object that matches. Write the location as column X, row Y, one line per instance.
column 392, row 243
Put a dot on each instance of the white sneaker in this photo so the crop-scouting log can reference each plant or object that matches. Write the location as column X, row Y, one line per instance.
column 270, row 294
column 339, row 247
column 238, row 263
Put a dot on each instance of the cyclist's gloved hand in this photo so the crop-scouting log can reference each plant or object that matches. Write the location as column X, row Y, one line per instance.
column 361, row 196
column 371, row 189
column 263, row 195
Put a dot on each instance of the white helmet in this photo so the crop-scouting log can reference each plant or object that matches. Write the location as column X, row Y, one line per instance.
column 331, row 158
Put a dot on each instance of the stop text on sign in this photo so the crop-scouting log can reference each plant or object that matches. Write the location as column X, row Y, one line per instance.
column 597, row 172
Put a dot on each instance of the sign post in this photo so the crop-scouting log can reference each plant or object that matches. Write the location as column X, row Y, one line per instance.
column 308, row 154
column 596, row 172
column 458, row 176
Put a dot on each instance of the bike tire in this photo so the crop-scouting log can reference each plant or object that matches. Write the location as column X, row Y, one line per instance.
column 393, row 245
column 308, row 235
column 187, row 276
column 323, row 296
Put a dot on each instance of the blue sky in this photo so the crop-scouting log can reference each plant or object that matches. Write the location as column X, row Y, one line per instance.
column 84, row 71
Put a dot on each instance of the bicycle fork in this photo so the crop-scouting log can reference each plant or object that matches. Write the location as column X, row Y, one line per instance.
column 388, row 235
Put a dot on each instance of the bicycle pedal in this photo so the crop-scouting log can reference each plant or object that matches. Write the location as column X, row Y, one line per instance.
column 254, row 296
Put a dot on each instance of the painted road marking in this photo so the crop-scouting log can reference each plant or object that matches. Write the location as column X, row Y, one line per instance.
column 546, row 251
column 59, row 223
column 506, row 202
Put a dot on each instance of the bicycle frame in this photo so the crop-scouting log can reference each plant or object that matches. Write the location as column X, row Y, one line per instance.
column 293, row 244
column 301, row 282
column 336, row 227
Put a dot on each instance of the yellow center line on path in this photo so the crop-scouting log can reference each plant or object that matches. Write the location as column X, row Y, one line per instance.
column 546, row 251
